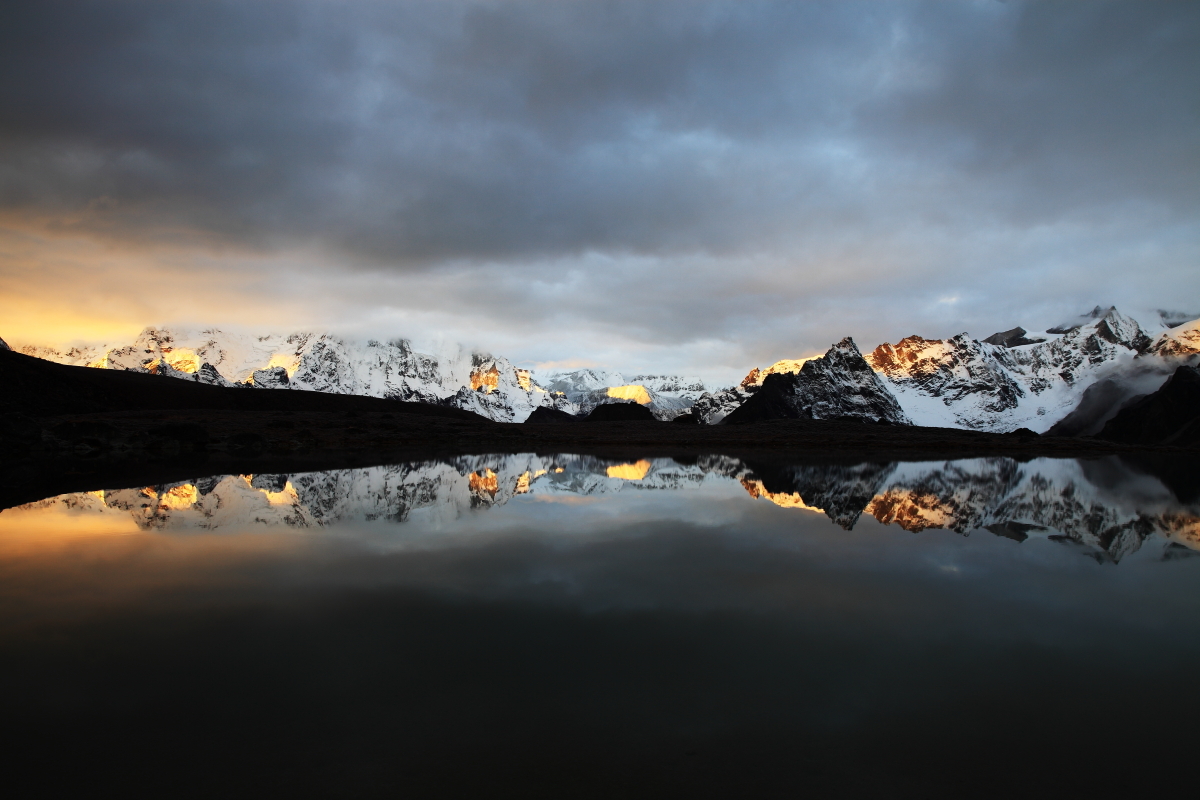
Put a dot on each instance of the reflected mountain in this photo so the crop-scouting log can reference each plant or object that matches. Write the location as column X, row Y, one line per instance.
column 1105, row 506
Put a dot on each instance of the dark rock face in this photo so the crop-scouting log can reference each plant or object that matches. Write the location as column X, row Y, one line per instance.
column 1011, row 338
column 208, row 374
column 841, row 491
column 839, row 385
column 271, row 378
column 546, row 415
column 713, row 407
column 687, row 419
column 620, row 412
column 1169, row 416
column 4, row 345
column 1101, row 402
column 269, row 483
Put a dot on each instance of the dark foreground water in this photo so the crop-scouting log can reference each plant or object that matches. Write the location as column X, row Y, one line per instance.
column 565, row 626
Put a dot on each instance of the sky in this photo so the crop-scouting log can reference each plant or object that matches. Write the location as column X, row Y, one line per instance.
column 685, row 187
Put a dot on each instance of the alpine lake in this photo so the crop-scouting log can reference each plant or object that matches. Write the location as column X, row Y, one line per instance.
column 557, row 625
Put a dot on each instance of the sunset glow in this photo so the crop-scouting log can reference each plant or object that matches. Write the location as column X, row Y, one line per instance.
column 633, row 392
column 756, row 489
column 630, row 472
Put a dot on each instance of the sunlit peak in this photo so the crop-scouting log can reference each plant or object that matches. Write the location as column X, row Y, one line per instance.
column 289, row 361
column 488, row 380
column 179, row 498
column 782, row 499
column 182, row 359
column 633, row 392
column 285, row 497
column 630, row 472
column 487, row 482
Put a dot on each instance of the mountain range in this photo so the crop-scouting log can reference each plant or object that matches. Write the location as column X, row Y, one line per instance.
column 1103, row 506
column 1068, row 379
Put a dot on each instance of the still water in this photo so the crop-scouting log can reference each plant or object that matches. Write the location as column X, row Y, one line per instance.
column 537, row 625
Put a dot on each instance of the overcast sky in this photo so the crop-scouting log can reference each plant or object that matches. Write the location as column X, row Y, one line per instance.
column 674, row 186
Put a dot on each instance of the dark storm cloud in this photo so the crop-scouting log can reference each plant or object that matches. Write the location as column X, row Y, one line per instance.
column 437, row 130
column 419, row 131
column 760, row 167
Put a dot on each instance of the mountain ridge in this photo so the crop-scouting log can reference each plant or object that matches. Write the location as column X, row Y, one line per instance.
column 1071, row 378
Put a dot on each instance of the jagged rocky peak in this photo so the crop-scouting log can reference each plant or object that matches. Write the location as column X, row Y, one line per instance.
column 948, row 369
column 838, row 385
column 1014, row 337
column 712, row 407
column 912, row 353
column 1001, row 386
column 756, row 376
column 1108, row 323
column 270, row 378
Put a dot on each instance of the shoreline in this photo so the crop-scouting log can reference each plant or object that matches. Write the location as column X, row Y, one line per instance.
column 48, row 456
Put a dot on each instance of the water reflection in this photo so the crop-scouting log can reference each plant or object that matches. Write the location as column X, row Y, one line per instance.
column 1104, row 506
column 562, row 625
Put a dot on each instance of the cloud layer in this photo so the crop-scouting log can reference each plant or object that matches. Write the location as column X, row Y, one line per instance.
column 696, row 186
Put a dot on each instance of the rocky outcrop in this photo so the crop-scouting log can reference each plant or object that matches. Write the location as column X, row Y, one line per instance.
column 713, row 407
column 548, row 415
column 621, row 412
column 270, row 378
column 1014, row 337
column 839, row 385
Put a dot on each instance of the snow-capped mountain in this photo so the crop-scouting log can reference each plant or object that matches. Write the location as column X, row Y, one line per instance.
column 1181, row 340
column 1068, row 379
column 1079, row 373
column 838, row 385
column 965, row 383
column 486, row 384
column 667, row 396
column 1104, row 506
column 437, row 491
